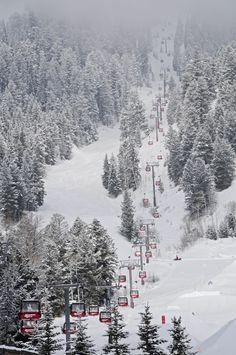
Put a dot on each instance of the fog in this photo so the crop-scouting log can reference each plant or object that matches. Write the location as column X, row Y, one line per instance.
column 124, row 10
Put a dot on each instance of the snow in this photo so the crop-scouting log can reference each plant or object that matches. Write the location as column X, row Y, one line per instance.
column 222, row 342
column 200, row 288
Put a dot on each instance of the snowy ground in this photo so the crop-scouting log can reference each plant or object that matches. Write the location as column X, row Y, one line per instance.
column 200, row 288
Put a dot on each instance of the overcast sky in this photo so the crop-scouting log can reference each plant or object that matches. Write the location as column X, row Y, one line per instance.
column 121, row 8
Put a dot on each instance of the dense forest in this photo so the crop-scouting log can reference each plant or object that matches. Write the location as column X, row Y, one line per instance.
column 201, row 114
column 58, row 83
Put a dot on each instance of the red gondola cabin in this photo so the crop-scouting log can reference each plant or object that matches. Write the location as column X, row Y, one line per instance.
column 122, row 301
column 93, row 310
column 28, row 326
column 137, row 253
column 122, row 278
column 153, row 245
column 159, row 157
column 78, row 309
column 30, row 310
column 71, row 330
column 105, row 317
column 134, row 294
column 145, row 202
column 142, row 227
column 148, row 168
column 150, row 142
column 156, row 214
column 148, row 254
column 142, row 274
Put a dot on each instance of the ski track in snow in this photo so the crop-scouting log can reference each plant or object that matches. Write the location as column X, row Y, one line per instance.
column 200, row 288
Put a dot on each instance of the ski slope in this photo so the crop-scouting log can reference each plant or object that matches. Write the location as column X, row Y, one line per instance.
column 200, row 288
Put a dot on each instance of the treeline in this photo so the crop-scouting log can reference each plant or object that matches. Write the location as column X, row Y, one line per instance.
column 150, row 341
column 202, row 119
column 33, row 260
column 123, row 172
column 58, row 83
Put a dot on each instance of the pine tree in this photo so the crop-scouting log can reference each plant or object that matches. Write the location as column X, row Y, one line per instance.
column 230, row 128
column 83, row 344
column 114, row 185
column 129, row 165
column 203, row 147
column 150, row 342
column 223, row 165
column 127, row 217
column 9, row 302
column 106, row 258
column 231, row 222
column 211, row 233
column 106, row 172
column 180, row 341
column 198, row 186
column 223, row 231
column 117, row 334
column 175, row 167
column 47, row 344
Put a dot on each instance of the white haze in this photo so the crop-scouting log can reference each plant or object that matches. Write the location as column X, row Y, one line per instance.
column 123, row 11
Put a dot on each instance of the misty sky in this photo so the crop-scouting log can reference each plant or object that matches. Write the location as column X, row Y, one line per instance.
column 122, row 9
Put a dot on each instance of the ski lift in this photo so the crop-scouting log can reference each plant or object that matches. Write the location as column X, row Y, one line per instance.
column 151, row 116
column 156, row 214
column 142, row 227
column 105, row 317
column 150, row 142
column 71, row 330
column 145, row 202
column 148, row 254
column 148, row 168
column 28, row 326
column 78, row 309
column 122, row 301
column 158, row 182
column 93, row 310
column 137, row 253
column 161, row 130
column 162, row 109
column 159, row 157
column 153, row 245
column 142, row 274
column 134, row 294
column 30, row 309
column 122, row 278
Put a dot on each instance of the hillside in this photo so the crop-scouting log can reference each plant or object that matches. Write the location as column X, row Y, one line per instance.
column 199, row 288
